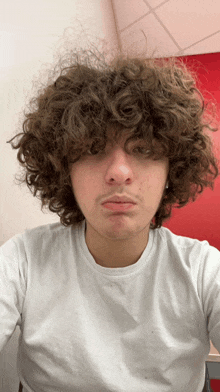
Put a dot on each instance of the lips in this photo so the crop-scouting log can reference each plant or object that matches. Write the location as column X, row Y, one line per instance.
column 119, row 199
column 118, row 207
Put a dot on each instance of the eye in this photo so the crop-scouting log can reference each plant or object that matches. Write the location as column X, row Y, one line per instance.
column 94, row 152
column 141, row 150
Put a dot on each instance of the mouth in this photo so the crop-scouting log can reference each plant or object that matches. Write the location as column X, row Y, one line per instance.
column 118, row 206
column 119, row 199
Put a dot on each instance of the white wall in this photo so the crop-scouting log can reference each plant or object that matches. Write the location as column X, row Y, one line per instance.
column 32, row 33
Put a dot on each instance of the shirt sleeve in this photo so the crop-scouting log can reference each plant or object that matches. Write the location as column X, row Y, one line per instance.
column 210, row 291
column 12, row 287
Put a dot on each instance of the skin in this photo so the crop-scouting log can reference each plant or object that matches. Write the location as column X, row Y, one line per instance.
column 117, row 240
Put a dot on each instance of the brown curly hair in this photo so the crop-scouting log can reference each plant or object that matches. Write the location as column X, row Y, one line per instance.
column 152, row 99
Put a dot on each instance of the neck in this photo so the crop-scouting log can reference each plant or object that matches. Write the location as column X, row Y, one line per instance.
column 116, row 253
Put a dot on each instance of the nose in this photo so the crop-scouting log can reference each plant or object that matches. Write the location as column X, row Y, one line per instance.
column 119, row 170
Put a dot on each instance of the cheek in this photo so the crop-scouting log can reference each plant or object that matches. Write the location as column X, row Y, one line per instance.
column 154, row 179
column 79, row 182
column 158, row 174
column 152, row 185
column 83, row 185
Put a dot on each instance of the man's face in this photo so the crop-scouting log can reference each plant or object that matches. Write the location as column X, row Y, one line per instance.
column 114, row 172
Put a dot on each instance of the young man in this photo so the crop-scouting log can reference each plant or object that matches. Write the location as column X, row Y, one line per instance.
column 108, row 299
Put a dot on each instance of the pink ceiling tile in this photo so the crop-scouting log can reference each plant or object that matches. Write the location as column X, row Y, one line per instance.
column 155, row 3
column 208, row 45
column 191, row 20
column 158, row 41
column 128, row 11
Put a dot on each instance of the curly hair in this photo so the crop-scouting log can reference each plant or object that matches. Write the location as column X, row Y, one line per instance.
column 152, row 99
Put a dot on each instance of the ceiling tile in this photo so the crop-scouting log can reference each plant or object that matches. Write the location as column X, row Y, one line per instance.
column 133, row 38
column 191, row 20
column 209, row 45
column 128, row 11
column 155, row 3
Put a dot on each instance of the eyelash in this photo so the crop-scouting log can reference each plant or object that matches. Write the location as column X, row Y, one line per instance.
column 142, row 151
column 136, row 150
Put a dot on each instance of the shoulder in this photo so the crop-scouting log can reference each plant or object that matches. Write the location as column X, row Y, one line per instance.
column 179, row 240
column 186, row 247
column 44, row 232
column 39, row 238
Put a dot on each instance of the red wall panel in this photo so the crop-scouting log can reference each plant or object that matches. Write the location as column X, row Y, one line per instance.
column 201, row 219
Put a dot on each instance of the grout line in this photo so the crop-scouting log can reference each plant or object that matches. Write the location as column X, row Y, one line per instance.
column 137, row 20
column 181, row 51
column 158, row 19
column 157, row 6
column 201, row 40
column 161, row 23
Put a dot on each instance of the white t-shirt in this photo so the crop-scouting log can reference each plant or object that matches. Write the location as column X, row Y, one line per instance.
column 88, row 328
